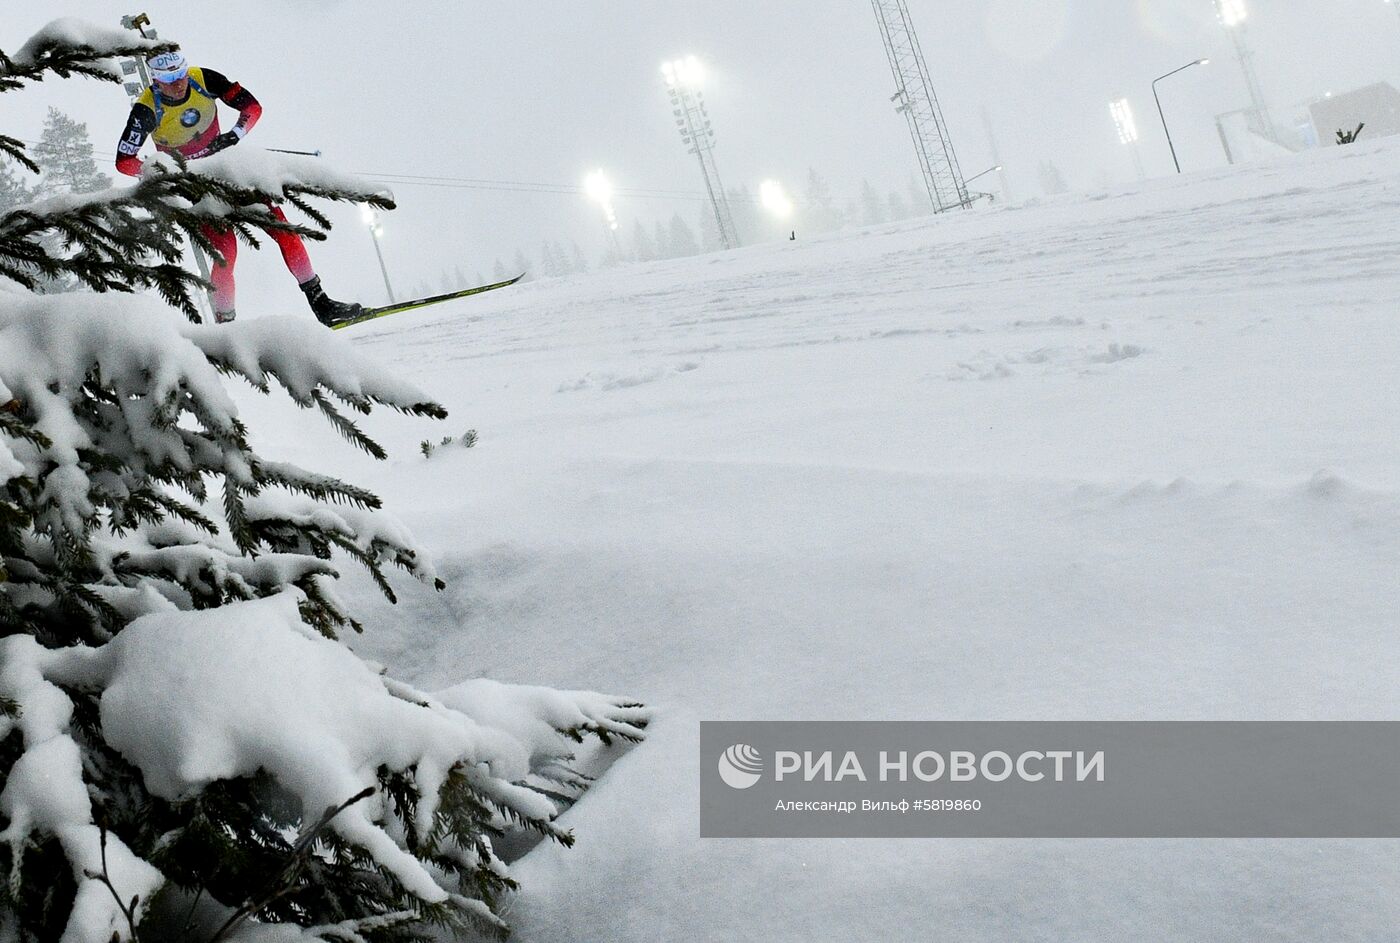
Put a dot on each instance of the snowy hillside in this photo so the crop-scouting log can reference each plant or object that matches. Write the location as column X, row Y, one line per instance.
column 1127, row 455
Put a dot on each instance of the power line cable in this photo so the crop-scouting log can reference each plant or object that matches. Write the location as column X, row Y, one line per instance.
column 522, row 186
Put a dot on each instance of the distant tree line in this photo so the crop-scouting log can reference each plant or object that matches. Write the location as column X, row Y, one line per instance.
column 65, row 156
column 816, row 211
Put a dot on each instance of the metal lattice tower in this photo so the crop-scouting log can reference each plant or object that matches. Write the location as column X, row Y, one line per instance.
column 693, row 123
column 1232, row 17
column 919, row 104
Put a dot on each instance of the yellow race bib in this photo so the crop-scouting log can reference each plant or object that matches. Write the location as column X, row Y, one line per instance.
column 178, row 125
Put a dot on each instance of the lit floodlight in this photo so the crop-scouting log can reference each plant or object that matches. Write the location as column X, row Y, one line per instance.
column 686, row 72
column 1232, row 12
column 691, row 72
column 775, row 199
column 368, row 214
column 598, row 187
column 1123, row 117
column 600, row 190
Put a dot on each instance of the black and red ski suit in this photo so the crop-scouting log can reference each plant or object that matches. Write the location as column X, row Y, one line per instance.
column 190, row 127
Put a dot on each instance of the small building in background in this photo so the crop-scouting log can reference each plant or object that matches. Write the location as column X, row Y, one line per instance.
column 1377, row 106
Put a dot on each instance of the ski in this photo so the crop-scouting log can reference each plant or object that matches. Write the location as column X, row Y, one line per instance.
column 385, row 310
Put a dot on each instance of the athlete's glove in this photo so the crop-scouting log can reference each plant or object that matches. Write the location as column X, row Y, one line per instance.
column 222, row 142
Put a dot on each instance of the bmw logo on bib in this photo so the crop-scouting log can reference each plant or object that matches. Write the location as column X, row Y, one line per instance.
column 189, row 117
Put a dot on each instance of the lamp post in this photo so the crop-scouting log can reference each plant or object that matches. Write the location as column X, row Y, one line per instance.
column 1163, row 115
column 371, row 219
column 989, row 170
column 974, row 195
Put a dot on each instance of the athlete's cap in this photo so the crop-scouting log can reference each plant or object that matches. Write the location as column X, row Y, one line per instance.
column 168, row 66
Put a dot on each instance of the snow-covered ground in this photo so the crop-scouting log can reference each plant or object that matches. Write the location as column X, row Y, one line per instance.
column 1125, row 455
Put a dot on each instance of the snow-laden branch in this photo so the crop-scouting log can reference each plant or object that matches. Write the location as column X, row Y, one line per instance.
column 181, row 740
column 129, row 238
column 67, row 38
column 288, row 175
column 115, row 401
column 68, row 47
column 247, row 689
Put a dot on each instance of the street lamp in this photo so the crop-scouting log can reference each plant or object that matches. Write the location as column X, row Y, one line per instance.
column 1162, row 114
column 371, row 218
column 973, row 197
column 1123, row 118
column 989, row 170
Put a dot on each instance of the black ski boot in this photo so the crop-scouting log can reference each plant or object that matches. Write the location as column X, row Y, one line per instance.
column 327, row 310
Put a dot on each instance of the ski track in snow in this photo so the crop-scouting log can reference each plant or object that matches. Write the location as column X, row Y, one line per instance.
column 771, row 484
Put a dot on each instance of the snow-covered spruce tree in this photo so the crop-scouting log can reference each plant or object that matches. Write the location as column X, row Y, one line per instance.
column 66, row 164
column 13, row 190
column 681, row 238
column 872, row 207
column 186, row 753
column 64, row 155
column 580, row 264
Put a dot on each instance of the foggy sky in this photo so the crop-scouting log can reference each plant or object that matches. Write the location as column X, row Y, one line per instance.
column 545, row 91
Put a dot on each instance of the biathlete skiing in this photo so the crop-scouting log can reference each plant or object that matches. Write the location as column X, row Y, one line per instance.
column 179, row 112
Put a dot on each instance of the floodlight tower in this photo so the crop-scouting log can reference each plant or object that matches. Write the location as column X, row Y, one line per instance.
column 1122, row 113
column 599, row 189
column 683, row 80
column 1232, row 15
column 918, row 103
